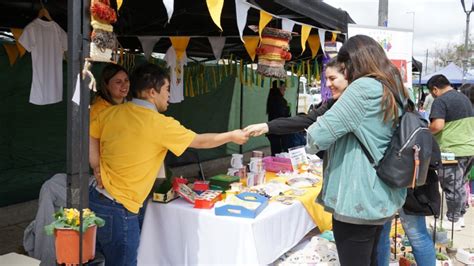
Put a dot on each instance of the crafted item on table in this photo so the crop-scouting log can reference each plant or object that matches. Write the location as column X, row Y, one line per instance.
column 273, row 52
column 103, row 39
column 247, row 205
column 222, row 182
column 163, row 191
column 277, row 164
column 207, row 199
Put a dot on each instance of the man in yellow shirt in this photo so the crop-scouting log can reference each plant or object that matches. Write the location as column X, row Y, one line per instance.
column 128, row 144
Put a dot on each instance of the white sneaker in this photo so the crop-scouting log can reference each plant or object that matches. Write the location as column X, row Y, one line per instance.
column 447, row 225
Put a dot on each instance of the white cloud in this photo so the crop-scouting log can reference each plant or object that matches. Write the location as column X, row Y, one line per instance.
column 437, row 23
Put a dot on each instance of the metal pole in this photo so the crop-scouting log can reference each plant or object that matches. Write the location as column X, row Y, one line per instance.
column 466, row 47
column 383, row 13
column 241, row 147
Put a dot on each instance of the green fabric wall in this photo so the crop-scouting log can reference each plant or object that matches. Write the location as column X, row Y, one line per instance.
column 33, row 138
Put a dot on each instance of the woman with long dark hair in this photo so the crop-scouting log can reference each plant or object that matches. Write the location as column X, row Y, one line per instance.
column 359, row 201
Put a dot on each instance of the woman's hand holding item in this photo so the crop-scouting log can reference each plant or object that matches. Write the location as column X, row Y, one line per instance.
column 256, row 130
column 239, row 136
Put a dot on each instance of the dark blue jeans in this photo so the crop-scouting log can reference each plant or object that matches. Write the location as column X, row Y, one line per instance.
column 118, row 239
column 420, row 240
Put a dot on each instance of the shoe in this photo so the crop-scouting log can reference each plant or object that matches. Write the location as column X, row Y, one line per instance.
column 447, row 225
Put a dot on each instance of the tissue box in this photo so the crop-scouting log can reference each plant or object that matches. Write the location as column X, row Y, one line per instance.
column 222, row 182
column 241, row 211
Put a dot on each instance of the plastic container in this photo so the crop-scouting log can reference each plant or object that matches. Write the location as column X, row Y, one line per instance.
column 277, row 164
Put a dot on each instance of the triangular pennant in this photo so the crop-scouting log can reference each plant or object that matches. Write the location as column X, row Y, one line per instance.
column 119, row 4
column 16, row 34
column 148, row 43
column 12, row 52
column 217, row 44
column 305, row 30
column 313, row 41
column 264, row 19
column 180, row 44
column 334, row 37
column 251, row 43
column 215, row 9
column 169, row 5
column 322, row 37
column 287, row 25
column 241, row 10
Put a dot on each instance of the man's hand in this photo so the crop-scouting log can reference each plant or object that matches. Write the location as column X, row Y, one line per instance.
column 98, row 177
column 256, row 130
column 239, row 136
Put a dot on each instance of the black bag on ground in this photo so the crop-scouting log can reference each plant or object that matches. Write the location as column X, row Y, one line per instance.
column 407, row 158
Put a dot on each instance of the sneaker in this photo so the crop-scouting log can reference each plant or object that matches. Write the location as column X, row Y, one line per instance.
column 447, row 225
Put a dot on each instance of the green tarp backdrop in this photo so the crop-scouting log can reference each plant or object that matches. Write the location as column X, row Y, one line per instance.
column 33, row 137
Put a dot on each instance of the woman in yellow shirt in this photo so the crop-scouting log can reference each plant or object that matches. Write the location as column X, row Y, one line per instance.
column 114, row 89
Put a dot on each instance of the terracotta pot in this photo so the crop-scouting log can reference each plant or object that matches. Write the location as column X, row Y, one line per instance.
column 67, row 245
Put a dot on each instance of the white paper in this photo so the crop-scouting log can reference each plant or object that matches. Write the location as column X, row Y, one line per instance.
column 217, row 44
column 241, row 10
column 76, row 97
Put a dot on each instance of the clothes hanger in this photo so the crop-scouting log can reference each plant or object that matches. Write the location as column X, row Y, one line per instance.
column 43, row 12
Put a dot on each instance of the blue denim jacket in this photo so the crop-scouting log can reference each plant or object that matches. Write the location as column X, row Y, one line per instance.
column 351, row 189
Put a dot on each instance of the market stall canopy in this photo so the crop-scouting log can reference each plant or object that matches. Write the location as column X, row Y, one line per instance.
column 452, row 72
column 191, row 18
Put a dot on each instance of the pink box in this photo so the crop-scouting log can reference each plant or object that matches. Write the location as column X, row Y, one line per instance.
column 277, row 164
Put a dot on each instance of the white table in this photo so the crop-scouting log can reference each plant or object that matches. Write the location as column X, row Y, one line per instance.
column 177, row 234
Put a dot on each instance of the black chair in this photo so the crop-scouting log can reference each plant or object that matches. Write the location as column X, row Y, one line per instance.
column 190, row 156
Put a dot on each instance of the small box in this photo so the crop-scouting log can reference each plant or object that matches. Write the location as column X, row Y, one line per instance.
column 207, row 199
column 185, row 192
column 222, row 182
column 241, row 211
column 163, row 192
column 200, row 186
column 277, row 164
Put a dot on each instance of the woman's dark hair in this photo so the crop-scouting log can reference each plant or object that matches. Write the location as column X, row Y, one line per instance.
column 337, row 65
column 468, row 90
column 108, row 72
column 362, row 56
column 148, row 76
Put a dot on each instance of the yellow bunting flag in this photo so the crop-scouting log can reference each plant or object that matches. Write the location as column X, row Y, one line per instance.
column 16, row 34
column 314, row 44
column 119, row 4
column 251, row 44
column 12, row 52
column 180, row 44
column 333, row 37
column 215, row 9
column 264, row 19
column 305, row 30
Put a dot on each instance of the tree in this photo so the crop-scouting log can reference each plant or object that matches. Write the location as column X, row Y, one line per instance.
column 452, row 53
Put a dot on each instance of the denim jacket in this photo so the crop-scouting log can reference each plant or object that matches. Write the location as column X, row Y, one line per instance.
column 351, row 189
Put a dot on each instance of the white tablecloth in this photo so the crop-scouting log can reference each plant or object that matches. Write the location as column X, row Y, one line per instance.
column 177, row 234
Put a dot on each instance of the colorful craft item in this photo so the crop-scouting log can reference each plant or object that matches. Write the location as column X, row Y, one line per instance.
column 103, row 40
column 207, row 199
column 273, row 52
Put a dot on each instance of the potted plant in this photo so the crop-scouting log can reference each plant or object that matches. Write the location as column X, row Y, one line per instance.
column 442, row 259
column 65, row 228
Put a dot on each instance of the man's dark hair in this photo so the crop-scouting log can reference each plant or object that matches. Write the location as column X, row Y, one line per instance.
column 439, row 81
column 147, row 76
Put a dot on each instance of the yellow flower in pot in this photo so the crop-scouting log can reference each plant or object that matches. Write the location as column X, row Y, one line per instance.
column 66, row 227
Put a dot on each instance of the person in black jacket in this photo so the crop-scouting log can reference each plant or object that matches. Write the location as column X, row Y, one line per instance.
column 420, row 202
column 336, row 82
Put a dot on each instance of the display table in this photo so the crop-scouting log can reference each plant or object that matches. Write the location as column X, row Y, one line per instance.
column 177, row 234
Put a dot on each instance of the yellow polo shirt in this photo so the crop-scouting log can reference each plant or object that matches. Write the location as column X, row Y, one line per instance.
column 134, row 140
column 98, row 106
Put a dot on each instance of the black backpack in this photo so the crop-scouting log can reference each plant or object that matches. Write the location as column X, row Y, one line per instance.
column 407, row 157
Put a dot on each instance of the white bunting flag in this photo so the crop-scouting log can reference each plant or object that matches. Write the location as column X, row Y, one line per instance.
column 322, row 38
column 169, row 5
column 148, row 43
column 287, row 25
column 217, row 44
column 241, row 10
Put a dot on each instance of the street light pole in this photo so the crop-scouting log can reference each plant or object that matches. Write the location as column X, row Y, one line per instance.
column 466, row 40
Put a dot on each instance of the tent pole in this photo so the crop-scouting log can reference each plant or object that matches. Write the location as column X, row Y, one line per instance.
column 241, row 147
column 297, row 95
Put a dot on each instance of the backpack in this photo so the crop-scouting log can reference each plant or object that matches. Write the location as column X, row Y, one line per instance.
column 406, row 160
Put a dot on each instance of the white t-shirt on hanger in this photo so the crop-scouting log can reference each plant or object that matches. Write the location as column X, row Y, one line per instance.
column 46, row 41
column 176, row 79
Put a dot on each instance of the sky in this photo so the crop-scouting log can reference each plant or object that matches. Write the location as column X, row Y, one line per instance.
column 437, row 23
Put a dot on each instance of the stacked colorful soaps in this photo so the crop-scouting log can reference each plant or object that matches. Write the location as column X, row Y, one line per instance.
column 103, row 39
column 273, row 52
